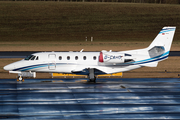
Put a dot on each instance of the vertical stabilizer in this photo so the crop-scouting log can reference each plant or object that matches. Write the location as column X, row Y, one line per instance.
column 163, row 40
column 159, row 49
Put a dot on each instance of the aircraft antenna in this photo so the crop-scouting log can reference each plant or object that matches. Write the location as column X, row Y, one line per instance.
column 81, row 50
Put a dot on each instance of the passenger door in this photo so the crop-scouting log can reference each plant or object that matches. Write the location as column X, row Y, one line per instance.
column 52, row 61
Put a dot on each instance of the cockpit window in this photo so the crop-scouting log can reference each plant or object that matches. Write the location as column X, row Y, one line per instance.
column 29, row 57
column 32, row 57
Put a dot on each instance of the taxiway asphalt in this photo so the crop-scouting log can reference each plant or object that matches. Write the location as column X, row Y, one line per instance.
column 116, row 98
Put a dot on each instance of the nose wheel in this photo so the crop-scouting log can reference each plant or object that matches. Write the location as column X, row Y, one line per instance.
column 20, row 78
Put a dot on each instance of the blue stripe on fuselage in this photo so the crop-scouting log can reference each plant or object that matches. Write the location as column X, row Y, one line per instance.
column 28, row 67
column 150, row 59
column 36, row 66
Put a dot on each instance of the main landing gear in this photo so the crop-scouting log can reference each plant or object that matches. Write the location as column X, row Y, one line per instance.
column 20, row 78
column 92, row 77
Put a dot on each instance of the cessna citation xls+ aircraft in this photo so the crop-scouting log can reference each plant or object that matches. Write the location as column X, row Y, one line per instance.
column 96, row 63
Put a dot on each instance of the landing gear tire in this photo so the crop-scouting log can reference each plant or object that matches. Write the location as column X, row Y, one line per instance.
column 93, row 80
column 20, row 78
column 92, row 77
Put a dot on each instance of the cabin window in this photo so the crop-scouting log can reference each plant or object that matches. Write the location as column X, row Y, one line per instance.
column 68, row 57
column 60, row 57
column 94, row 58
column 76, row 58
column 84, row 58
column 37, row 58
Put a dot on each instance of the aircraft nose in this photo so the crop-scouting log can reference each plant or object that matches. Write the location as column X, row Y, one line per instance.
column 8, row 67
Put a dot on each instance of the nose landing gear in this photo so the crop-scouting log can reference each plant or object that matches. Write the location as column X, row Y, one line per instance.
column 20, row 78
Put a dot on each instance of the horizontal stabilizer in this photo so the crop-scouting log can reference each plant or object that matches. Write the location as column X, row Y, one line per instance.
column 152, row 64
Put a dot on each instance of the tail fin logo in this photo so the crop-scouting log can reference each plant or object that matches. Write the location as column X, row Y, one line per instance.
column 166, row 30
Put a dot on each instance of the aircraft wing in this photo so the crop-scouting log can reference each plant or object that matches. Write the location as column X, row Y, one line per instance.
column 85, row 70
column 98, row 70
column 79, row 69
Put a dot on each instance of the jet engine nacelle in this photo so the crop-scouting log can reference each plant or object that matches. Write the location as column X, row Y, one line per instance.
column 110, row 57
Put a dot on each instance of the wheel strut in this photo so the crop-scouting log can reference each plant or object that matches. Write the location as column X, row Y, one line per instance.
column 92, row 77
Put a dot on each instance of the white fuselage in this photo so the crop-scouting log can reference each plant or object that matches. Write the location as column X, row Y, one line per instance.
column 67, row 62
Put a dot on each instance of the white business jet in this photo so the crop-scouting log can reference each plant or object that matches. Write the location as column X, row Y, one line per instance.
column 95, row 63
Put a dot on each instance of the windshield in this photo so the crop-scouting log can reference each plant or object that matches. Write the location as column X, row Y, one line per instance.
column 29, row 57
